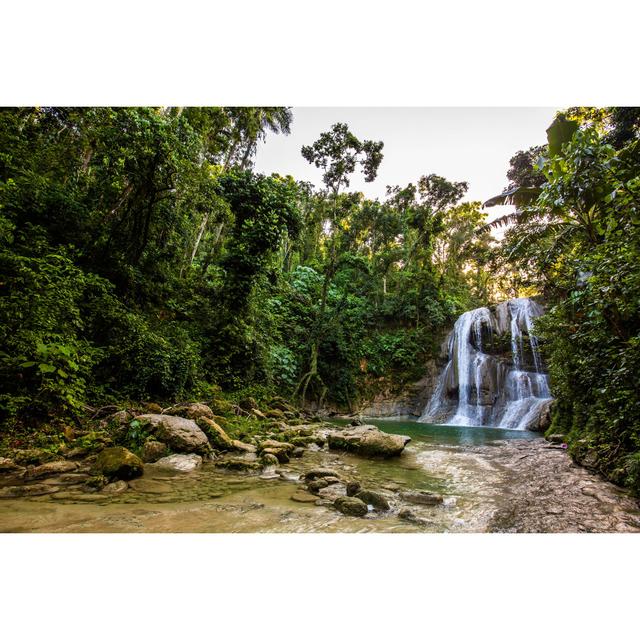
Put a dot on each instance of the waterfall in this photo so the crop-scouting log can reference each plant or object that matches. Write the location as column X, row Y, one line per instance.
column 495, row 375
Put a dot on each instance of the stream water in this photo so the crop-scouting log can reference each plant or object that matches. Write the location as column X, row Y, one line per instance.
column 468, row 466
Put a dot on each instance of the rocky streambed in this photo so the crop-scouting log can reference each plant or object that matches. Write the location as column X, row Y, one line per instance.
column 335, row 478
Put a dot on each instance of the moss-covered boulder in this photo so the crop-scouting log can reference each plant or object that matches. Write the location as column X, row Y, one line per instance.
column 375, row 499
column 216, row 435
column 268, row 460
column 248, row 404
column 351, row 506
column 117, row 463
column 192, row 411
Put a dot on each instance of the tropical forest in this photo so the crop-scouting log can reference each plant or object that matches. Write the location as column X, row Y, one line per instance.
column 257, row 352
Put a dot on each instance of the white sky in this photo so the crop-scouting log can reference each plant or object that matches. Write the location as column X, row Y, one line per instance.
column 459, row 143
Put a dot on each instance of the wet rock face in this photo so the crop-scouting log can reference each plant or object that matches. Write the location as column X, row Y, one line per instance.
column 368, row 441
column 180, row 434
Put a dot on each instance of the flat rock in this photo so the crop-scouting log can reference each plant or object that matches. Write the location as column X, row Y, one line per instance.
column 52, row 468
column 181, row 434
column 320, row 472
column 303, row 496
column 179, row 462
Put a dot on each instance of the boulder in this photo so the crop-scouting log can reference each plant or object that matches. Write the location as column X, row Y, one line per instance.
column 320, row 472
column 368, row 441
column 556, row 438
column 351, row 506
column 275, row 444
column 281, row 454
column 216, row 434
column 191, row 411
column 422, row 497
column 376, row 500
column 51, row 468
column 238, row 445
column 248, row 403
column 258, row 414
column 268, row 460
column 117, row 463
column 179, row 462
column 114, row 488
column 152, row 450
column 275, row 414
column 181, row 434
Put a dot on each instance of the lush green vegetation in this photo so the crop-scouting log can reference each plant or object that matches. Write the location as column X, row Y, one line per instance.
column 576, row 240
column 143, row 259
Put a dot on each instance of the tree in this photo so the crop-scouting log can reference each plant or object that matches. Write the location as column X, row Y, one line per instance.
column 338, row 153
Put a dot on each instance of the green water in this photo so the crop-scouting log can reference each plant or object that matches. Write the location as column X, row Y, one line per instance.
column 446, row 434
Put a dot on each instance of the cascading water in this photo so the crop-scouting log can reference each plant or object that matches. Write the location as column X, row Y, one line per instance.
column 486, row 384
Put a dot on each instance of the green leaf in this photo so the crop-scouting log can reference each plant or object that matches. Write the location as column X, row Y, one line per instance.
column 27, row 364
column 560, row 132
column 62, row 374
column 46, row 368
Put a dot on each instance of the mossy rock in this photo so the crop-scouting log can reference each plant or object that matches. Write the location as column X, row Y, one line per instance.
column 216, row 435
column 373, row 498
column 275, row 414
column 248, row 403
column 351, row 506
column 118, row 463
column 269, row 460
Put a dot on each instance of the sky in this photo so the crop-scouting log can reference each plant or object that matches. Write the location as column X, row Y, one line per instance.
column 472, row 144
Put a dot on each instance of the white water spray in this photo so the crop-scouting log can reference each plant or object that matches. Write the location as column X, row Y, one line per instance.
column 481, row 388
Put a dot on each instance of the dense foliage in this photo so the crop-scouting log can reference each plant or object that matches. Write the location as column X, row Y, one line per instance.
column 142, row 258
column 577, row 241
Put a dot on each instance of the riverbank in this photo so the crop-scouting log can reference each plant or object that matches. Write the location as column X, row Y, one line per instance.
column 444, row 480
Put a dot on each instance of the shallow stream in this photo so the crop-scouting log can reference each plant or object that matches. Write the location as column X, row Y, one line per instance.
column 475, row 469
